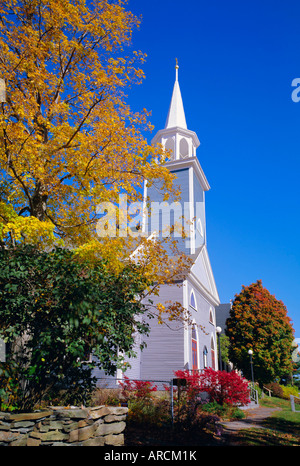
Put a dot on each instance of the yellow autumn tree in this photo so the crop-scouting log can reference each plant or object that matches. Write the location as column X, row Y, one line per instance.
column 68, row 139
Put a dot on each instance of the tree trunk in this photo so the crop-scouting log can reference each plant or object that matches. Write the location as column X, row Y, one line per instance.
column 39, row 202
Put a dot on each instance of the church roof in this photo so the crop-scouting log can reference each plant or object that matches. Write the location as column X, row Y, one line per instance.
column 222, row 314
column 176, row 115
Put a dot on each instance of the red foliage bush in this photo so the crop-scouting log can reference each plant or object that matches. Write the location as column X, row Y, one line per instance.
column 137, row 389
column 222, row 387
column 276, row 389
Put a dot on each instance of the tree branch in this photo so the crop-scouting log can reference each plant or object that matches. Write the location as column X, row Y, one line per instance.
column 65, row 146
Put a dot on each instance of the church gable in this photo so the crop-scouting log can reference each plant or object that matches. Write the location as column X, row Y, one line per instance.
column 201, row 273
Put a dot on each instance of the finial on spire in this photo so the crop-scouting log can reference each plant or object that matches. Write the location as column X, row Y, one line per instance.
column 176, row 68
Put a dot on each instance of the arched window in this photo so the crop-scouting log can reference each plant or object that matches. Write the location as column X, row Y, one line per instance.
column 169, row 146
column 205, row 352
column 213, row 359
column 193, row 301
column 194, row 349
column 211, row 316
column 183, row 148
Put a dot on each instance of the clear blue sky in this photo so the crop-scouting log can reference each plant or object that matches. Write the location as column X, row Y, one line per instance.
column 237, row 60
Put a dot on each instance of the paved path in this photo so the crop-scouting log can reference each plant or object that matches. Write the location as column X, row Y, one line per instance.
column 253, row 419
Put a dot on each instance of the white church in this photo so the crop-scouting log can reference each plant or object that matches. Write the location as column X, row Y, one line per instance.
column 179, row 346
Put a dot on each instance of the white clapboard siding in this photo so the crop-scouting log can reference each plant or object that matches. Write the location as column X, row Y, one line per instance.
column 164, row 352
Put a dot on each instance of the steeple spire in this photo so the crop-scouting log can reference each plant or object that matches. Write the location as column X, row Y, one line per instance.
column 176, row 116
column 175, row 136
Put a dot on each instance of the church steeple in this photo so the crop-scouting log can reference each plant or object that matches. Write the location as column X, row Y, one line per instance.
column 176, row 115
column 190, row 179
column 175, row 136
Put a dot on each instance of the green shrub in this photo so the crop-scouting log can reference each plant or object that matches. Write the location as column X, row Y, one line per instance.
column 283, row 391
column 67, row 308
column 289, row 390
column 213, row 408
column 224, row 411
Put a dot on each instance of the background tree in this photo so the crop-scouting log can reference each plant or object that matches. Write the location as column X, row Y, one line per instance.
column 56, row 311
column 258, row 321
column 224, row 346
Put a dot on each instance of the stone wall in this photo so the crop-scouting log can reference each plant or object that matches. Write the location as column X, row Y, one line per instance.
column 97, row 426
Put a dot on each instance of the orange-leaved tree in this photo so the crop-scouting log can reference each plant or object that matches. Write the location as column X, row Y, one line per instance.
column 258, row 321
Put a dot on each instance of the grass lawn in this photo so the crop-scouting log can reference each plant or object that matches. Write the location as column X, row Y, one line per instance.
column 281, row 429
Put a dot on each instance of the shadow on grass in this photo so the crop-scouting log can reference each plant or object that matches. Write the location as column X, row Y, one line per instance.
column 274, row 432
column 282, row 425
column 263, row 437
column 143, row 435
